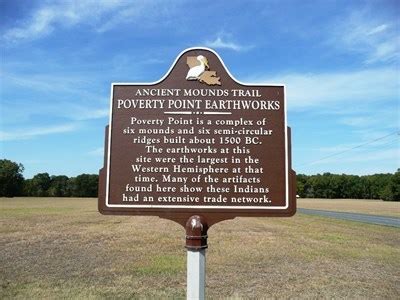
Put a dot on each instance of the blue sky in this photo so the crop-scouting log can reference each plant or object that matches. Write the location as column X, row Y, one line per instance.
column 338, row 59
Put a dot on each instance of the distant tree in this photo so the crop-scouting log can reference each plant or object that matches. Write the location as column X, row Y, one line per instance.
column 28, row 189
column 84, row 185
column 71, row 187
column 395, row 186
column 301, row 182
column 39, row 185
column 327, row 185
column 59, row 186
column 11, row 178
column 354, row 188
column 392, row 191
column 375, row 184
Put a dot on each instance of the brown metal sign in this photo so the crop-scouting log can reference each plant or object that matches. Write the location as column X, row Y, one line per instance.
column 197, row 142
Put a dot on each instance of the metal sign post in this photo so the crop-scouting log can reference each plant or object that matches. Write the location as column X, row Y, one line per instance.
column 196, row 274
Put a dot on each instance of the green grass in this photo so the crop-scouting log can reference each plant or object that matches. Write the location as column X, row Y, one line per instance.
column 64, row 249
column 13, row 212
column 161, row 265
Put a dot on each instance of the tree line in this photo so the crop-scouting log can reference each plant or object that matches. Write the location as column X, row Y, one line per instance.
column 327, row 185
column 335, row 186
column 12, row 183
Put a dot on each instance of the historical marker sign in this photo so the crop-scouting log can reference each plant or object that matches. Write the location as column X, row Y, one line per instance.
column 197, row 142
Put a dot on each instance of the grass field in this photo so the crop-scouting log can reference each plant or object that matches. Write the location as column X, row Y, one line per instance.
column 373, row 207
column 63, row 248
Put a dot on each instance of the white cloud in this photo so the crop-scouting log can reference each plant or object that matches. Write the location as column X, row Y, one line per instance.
column 39, row 26
column 97, row 152
column 87, row 113
column 392, row 154
column 123, row 16
column 371, row 117
column 371, row 143
column 28, row 133
column 101, row 15
column 47, row 82
column 385, row 51
column 73, row 93
column 339, row 88
column 219, row 43
column 24, row 110
column 378, row 29
column 377, row 157
column 371, row 162
column 383, row 151
column 357, row 121
column 361, row 32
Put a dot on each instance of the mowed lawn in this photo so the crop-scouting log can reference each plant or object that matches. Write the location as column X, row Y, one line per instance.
column 370, row 207
column 63, row 248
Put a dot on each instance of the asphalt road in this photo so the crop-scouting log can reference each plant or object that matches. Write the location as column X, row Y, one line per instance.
column 364, row 218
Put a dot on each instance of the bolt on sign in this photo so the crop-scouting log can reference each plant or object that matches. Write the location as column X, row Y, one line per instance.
column 197, row 142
